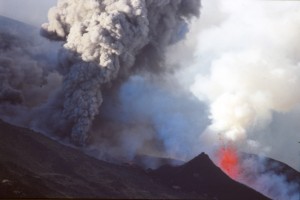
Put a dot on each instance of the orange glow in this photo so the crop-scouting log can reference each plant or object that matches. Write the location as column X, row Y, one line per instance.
column 229, row 161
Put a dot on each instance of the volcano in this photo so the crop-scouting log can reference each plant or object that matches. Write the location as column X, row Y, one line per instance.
column 35, row 166
column 200, row 175
column 229, row 161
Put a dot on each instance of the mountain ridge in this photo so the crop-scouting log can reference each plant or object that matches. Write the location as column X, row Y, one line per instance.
column 35, row 166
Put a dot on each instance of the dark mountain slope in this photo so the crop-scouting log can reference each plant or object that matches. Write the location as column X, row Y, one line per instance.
column 33, row 165
column 200, row 175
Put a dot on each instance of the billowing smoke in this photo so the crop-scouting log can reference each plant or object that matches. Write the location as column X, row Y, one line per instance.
column 246, row 68
column 104, row 40
column 254, row 68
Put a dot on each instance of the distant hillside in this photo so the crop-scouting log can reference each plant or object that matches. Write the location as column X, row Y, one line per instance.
column 30, row 35
column 16, row 27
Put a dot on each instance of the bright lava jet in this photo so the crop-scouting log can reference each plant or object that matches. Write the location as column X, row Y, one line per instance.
column 229, row 161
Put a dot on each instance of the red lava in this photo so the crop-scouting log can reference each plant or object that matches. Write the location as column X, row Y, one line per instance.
column 229, row 161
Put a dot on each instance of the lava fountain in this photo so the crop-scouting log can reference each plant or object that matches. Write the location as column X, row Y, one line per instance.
column 228, row 159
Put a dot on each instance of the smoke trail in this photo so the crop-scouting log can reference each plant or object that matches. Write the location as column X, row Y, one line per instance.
column 103, row 41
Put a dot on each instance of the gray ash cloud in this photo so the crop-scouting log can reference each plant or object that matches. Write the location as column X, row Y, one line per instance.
column 106, row 41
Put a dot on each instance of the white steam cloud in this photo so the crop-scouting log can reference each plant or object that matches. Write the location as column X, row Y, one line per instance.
column 246, row 68
column 254, row 68
column 244, row 63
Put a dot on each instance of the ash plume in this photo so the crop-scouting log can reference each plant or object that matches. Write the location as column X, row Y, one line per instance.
column 108, row 40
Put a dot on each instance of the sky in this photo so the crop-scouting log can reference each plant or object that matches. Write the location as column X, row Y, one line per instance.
column 33, row 12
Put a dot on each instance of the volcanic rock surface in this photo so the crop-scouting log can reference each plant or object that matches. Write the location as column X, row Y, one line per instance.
column 33, row 165
column 201, row 176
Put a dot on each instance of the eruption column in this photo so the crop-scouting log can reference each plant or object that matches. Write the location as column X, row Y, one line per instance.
column 104, row 40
